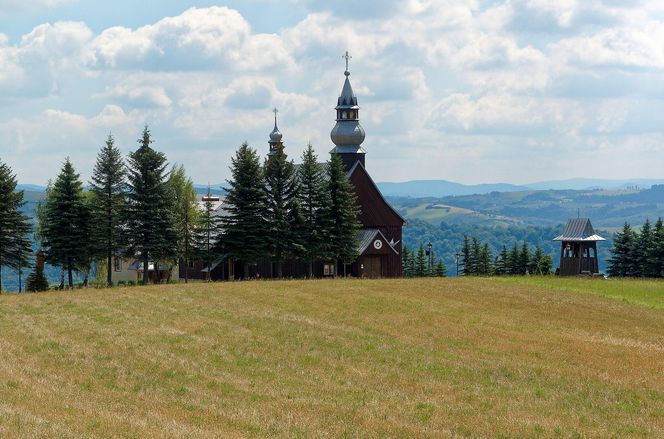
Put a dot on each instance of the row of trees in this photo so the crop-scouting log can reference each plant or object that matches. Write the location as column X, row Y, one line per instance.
column 476, row 259
column 132, row 208
column 278, row 211
column 421, row 263
column 140, row 208
column 638, row 253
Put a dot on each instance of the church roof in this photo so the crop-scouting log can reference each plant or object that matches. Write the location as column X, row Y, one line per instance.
column 357, row 165
column 579, row 230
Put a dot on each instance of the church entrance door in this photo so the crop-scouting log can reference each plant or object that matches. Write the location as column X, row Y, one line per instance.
column 372, row 266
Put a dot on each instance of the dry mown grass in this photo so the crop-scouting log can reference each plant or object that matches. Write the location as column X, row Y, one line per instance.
column 443, row 358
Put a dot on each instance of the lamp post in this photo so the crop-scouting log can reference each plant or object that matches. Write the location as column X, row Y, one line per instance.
column 458, row 255
column 429, row 253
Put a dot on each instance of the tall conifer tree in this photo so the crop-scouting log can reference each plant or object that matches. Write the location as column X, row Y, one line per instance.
column 514, row 261
column 282, row 214
column 108, row 186
column 15, row 226
column 344, row 213
column 66, row 227
column 150, row 221
column 244, row 226
column 314, row 200
column 643, row 247
column 619, row 264
column 466, row 262
column 421, row 262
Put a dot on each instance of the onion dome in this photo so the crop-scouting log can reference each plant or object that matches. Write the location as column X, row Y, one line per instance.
column 347, row 133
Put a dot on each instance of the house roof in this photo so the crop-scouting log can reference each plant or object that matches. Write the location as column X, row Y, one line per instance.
column 367, row 237
column 214, row 264
column 579, row 230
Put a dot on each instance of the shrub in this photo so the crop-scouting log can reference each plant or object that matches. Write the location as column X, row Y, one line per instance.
column 131, row 283
column 122, row 283
column 37, row 281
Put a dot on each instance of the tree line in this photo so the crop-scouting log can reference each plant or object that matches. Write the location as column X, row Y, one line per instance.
column 421, row 263
column 476, row 259
column 638, row 253
column 140, row 208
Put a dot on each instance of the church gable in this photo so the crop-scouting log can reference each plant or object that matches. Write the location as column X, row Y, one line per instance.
column 375, row 211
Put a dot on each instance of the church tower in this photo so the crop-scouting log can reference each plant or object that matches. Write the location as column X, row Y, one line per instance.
column 348, row 134
column 275, row 141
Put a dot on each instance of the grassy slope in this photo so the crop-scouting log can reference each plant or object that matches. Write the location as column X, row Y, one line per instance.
column 457, row 357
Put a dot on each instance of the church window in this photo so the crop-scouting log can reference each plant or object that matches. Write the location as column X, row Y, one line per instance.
column 117, row 264
column 343, row 115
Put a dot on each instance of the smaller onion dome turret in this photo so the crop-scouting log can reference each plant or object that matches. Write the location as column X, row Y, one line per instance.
column 275, row 136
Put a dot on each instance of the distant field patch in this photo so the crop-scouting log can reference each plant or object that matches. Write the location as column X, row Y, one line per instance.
column 647, row 292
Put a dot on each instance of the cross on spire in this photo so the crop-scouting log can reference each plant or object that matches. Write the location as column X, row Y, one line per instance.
column 275, row 111
column 346, row 57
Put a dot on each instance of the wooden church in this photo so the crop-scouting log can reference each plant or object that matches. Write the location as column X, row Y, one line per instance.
column 380, row 238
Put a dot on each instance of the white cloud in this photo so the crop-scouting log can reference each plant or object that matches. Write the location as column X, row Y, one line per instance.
column 196, row 39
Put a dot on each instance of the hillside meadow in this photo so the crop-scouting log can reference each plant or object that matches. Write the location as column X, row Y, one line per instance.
column 337, row 358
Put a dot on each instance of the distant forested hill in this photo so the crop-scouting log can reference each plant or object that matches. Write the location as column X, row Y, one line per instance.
column 606, row 209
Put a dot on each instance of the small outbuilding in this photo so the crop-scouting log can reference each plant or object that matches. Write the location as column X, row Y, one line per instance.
column 578, row 253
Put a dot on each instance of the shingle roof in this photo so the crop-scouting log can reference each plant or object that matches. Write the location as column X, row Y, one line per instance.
column 578, row 230
column 367, row 237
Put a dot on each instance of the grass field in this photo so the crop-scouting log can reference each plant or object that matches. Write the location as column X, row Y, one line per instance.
column 406, row 358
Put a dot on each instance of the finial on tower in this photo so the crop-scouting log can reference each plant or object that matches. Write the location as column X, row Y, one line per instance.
column 275, row 111
column 347, row 57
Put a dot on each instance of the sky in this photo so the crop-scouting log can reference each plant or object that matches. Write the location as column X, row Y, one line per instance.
column 470, row 91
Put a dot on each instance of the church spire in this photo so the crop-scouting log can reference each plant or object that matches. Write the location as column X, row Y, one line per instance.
column 347, row 133
column 275, row 136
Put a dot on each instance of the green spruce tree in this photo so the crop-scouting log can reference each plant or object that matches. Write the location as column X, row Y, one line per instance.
column 643, row 246
column 315, row 203
column 502, row 262
column 440, row 270
column 466, row 263
column 108, row 187
column 15, row 228
column 514, row 261
column 66, row 223
column 524, row 259
column 655, row 259
column 150, row 207
column 344, row 213
column 405, row 254
column 485, row 259
column 282, row 213
column 619, row 264
column 421, row 262
column 245, row 228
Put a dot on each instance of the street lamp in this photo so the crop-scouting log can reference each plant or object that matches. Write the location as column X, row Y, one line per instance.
column 429, row 253
column 458, row 255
